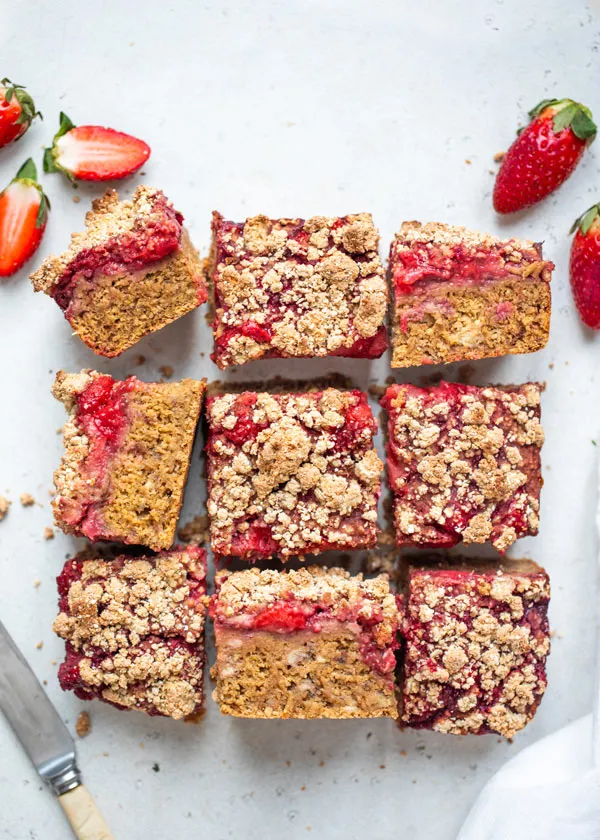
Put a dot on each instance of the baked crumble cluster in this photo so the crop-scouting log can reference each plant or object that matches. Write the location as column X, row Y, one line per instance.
column 290, row 287
column 134, row 630
column 291, row 474
column 464, row 463
column 127, row 453
column 460, row 294
column 131, row 272
column 476, row 642
column 307, row 643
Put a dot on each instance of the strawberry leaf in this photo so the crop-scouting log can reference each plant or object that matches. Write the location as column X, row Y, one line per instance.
column 583, row 125
column 27, row 172
column 42, row 213
column 586, row 220
column 541, row 106
column 564, row 117
column 65, row 126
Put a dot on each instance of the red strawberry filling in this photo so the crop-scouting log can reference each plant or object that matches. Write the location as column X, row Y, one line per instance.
column 147, row 243
column 102, row 416
column 423, row 263
column 292, row 615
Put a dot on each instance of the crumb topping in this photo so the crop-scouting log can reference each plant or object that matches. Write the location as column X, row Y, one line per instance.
column 464, row 463
column 291, row 287
column 476, row 649
column 109, row 219
column 131, row 621
column 434, row 251
column 291, row 473
column 438, row 234
column 332, row 589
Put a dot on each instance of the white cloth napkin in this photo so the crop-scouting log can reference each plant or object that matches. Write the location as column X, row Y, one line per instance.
column 551, row 790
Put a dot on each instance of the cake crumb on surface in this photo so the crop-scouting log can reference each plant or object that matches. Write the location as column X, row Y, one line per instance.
column 140, row 360
column 196, row 530
column 26, row 499
column 48, row 533
column 37, row 583
column 4, row 506
column 83, row 725
column 166, row 370
column 40, row 645
column 499, row 157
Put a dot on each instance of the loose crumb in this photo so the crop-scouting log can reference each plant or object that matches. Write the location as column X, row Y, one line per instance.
column 83, row 725
column 551, row 365
column 40, row 645
column 76, row 199
column 4, row 506
column 36, row 582
column 195, row 531
column 166, row 370
column 467, row 161
column 26, row 499
column 376, row 390
column 499, row 157
column 140, row 360
column 48, row 533
column 59, row 431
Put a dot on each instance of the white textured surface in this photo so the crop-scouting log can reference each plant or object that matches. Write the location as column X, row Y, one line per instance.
column 293, row 108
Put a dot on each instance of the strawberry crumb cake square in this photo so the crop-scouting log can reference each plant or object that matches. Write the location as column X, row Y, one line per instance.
column 290, row 287
column 127, row 453
column 291, row 474
column 460, row 294
column 476, row 642
column 464, row 463
column 134, row 630
column 312, row 643
column 131, row 272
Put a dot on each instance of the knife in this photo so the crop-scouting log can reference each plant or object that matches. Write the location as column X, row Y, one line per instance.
column 46, row 740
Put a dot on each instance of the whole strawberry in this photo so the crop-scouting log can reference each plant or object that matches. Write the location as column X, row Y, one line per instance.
column 23, row 217
column 585, row 266
column 17, row 112
column 544, row 154
column 94, row 153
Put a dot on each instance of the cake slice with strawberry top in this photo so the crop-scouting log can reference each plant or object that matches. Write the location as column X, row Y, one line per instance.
column 291, row 474
column 464, row 463
column 476, row 639
column 297, row 288
column 461, row 294
column 131, row 272
column 127, row 453
column 308, row 643
column 134, row 630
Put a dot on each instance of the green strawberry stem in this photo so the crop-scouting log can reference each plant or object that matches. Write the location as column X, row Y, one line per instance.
column 568, row 114
column 50, row 163
column 586, row 220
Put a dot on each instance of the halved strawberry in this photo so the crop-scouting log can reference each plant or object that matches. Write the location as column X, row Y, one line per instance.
column 17, row 111
column 94, row 153
column 23, row 216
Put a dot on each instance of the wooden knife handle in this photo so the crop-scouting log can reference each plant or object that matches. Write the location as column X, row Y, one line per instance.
column 86, row 820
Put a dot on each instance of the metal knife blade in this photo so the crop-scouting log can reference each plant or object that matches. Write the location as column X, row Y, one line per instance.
column 35, row 721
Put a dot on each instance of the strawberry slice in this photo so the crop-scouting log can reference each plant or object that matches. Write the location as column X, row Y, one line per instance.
column 17, row 112
column 23, row 217
column 94, row 153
